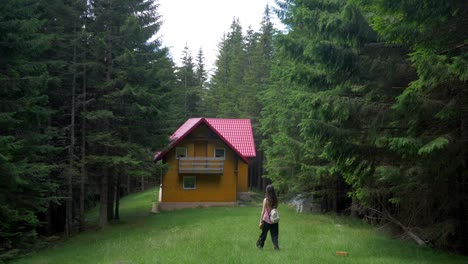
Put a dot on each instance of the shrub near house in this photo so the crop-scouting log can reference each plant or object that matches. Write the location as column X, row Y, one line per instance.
column 208, row 163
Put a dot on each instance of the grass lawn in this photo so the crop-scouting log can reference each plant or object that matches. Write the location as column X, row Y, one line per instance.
column 228, row 235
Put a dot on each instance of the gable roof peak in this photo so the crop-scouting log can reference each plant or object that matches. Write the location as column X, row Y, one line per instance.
column 236, row 133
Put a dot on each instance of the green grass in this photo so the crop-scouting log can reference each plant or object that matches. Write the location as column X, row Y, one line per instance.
column 228, row 235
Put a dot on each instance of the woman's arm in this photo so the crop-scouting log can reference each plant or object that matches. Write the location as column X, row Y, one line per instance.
column 263, row 210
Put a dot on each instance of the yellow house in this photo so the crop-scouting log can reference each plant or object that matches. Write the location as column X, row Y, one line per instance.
column 208, row 163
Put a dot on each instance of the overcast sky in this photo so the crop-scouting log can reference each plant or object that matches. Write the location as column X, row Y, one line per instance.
column 202, row 23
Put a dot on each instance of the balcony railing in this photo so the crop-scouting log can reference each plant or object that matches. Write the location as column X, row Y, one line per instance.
column 197, row 165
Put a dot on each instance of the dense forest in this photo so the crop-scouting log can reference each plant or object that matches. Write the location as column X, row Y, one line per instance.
column 361, row 104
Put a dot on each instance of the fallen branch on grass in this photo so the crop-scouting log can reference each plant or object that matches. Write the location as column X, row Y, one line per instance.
column 407, row 230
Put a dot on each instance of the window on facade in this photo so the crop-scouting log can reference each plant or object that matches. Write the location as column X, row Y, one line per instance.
column 190, row 182
column 220, row 153
column 181, row 152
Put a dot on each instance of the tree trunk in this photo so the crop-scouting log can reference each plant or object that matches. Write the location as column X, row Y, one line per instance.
column 117, row 198
column 111, row 198
column 48, row 216
column 250, row 169
column 259, row 172
column 105, row 215
column 387, row 216
column 71, row 150
column 354, row 207
column 260, row 169
column 83, row 158
column 104, row 195
column 462, row 170
column 128, row 184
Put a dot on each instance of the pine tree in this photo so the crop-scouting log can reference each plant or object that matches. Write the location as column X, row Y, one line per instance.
column 329, row 78
column 225, row 95
column 217, row 82
column 200, row 71
column 190, row 90
column 433, row 111
column 65, row 60
column 26, row 158
column 202, row 84
column 259, row 58
column 128, row 88
column 259, row 55
column 242, row 71
column 243, row 68
column 363, row 119
column 94, row 104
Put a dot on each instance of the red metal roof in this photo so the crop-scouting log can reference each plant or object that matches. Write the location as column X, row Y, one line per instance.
column 236, row 133
column 188, row 126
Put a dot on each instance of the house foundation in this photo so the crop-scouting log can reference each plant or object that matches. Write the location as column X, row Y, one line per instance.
column 181, row 205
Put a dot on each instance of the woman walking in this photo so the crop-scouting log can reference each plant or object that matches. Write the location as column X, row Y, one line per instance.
column 270, row 202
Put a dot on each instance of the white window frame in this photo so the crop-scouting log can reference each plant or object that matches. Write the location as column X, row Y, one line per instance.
column 224, row 150
column 189, row 177
column 179, row 148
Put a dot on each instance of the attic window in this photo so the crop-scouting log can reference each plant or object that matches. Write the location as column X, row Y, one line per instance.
column 181, row 153
column 220, row 153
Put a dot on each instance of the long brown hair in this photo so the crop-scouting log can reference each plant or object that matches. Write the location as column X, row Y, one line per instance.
column 270, row 194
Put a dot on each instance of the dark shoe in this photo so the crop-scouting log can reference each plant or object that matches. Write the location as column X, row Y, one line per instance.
column 259, row 245
column 277, row 248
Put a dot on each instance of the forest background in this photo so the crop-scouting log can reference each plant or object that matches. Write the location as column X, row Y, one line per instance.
column 362, row 104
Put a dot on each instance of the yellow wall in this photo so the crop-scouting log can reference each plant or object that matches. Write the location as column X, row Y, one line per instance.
column 242, row 180
column 209, row 187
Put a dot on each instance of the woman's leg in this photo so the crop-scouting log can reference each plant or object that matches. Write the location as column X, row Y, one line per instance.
column 263, row 235
column 274, row 230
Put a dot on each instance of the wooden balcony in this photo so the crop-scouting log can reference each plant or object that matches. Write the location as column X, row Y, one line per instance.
column 201, row 165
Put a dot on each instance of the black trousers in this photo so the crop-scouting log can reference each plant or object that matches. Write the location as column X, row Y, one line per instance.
column 274, row 232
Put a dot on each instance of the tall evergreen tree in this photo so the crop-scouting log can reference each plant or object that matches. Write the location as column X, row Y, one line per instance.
column 259, row 58
column 201, row 73
column 202, row 78
column 243, row 69
column 124, row 82
column 188, row 83
column 95, row 101
column 432, row 109
column 65, row 21
column 338, row 99
column 259, row 55
column 362, row 120
column 26, row 158
column 225, row 94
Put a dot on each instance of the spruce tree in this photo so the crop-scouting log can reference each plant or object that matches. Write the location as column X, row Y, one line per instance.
column 26, row 158
column 188, row 83
column 432, row 109
column 65, row 61
column 225, row 93
column 129, row 83
column 329, row 77
column 259, row 55
column 202, row 83
column 200, row 71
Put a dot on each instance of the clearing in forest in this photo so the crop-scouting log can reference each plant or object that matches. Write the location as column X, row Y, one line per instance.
column 228, row 235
